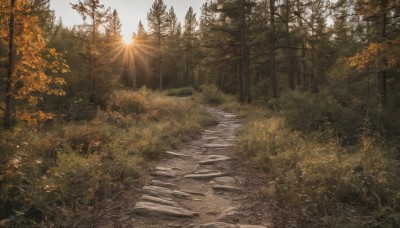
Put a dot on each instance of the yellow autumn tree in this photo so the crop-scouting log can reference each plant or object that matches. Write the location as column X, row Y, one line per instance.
column 378, row 56
column 34, row 70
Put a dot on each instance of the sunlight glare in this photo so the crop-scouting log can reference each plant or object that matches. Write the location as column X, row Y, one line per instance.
column 127, row 40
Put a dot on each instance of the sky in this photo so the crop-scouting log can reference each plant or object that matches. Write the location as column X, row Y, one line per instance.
column 130, row 11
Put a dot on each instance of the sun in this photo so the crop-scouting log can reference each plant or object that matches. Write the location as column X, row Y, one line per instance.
column 127, row 40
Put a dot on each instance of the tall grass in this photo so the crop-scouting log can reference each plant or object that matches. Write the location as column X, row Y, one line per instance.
column 315, row 177
column 59, row 177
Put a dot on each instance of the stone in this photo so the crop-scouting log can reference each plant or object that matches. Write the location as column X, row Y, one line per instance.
column 219, row 225
column 163, row 201
column 202, row 171
column 154, row 209
column 225, row 180
column 213, row 159
column 228, row 213
column 227, row 188
column 180, row 194
column 157, row 191
column 217, row 145
column 177, row 154
column 210, row 137
column 204, row 176
column 163, row 172
column 162, row 184
column 169, row 174
column 252, row 226
column 233, row 116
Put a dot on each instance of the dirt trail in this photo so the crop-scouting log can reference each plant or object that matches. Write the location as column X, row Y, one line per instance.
column 196, row 186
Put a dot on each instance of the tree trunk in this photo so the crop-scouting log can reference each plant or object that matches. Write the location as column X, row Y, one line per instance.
column 289, row 50
column 8, row 115
column 92, row 68
column 272, row 47
column 382, row 36
column 244, row 69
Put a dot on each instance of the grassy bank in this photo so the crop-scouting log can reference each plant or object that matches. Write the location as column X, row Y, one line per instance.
column 59, row 176
column 324, row 165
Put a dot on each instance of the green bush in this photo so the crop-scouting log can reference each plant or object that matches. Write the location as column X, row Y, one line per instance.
column 180, row 92
column 211, row 95
column 128, row 102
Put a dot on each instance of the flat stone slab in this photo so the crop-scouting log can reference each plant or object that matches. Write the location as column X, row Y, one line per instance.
column 213, row 159
column 226, row 188
column 204, row 176
column 163, row 172
column 163, row 201
column 219, row 225
column 225, row 180
column 230, row 116
column 162, row 184
column 157, row 191
column 210, row 137
column 217, row 145
column 252, row 226
column 203, row 171
column 154, row 209
column 180, row 194
column 177, row 154
column 228, row 225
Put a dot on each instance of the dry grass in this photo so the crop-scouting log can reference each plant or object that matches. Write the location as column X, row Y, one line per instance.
column 60, row 176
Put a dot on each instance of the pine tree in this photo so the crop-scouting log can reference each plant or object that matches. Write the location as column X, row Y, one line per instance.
column 189, row 36
column 98, row 16
column 157, row 18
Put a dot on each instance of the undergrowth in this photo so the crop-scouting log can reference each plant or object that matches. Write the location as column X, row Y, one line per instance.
column 325, row 166
column 56, row 177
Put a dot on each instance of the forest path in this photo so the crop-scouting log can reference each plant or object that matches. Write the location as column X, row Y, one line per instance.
column 196, row 186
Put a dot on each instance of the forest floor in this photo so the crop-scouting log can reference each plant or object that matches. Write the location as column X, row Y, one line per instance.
column 201, row 184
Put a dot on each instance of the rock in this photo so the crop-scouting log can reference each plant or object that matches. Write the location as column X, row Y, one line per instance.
column 157, row 191
column 163, row 201
column 225, row 180
column 204, row 176
column 233, row 116
column 180, row 194
column 210, row 131
column 210, row 137
column 169, row 174
column 228, row 213
column 202, row 171
column 227, row 188
column 217, row 145
column 219, row 225
column 163, row 172
column 154, row 209
column 162, row 184
column 177, row 154
column 214, row 158
column 252, row 226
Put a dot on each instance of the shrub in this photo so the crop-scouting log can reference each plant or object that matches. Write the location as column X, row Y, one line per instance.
column 211, row 95
column 128, row 102
column 315, row 175
column 180, row 92
column 87, row 137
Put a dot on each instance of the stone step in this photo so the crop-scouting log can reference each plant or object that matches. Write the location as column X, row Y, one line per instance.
column 153, row 209
column 226, row 188
column 177, row 154
column 163, row 201
column 204, row 176
column 213, row 159
column 217, row 145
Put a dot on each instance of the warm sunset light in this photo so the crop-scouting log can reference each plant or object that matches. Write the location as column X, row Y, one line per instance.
column 127, row 40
